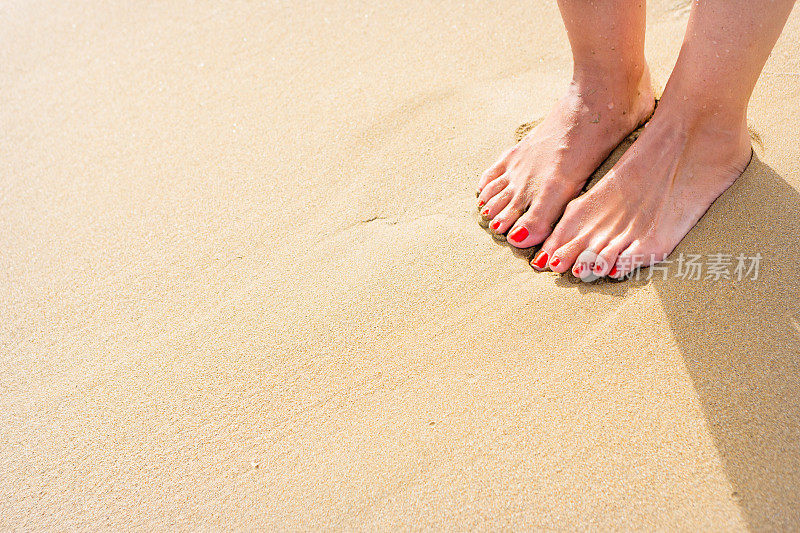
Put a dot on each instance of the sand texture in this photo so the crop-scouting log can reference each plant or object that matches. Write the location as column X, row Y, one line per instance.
column 244, row 285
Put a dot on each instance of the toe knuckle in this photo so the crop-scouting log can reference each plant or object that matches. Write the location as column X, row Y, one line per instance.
column 572, row 207
column 490, row 172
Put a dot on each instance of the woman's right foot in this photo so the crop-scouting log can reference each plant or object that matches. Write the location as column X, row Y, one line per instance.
column 526, row 191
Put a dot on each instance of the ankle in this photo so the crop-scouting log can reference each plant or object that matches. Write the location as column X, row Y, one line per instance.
column 700, row 101
column 627, row 91
column 704, row 114
column 720, row 132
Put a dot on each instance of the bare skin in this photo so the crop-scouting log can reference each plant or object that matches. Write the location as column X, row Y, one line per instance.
column 692, row 150
column 610, row 96
column 639, row 212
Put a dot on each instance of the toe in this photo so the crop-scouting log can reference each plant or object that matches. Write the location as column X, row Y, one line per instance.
column 607, row 258
column 564, row 257
column 629, row 260
column 585, row 264
column 565, row 231
column 497, row 203
column 493, row 172
column 558, row 237
column 510, row 213
column 638, row 255
column 529, row 230
column 491, row 189
column 540, row 260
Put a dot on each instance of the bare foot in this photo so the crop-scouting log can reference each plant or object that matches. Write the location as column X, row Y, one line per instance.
column 638, row 213
column 527, row 189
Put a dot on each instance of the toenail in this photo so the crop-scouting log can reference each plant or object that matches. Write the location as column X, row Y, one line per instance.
column 485, row 212
column 613, row 271
column 519, row 234
column 540, row 260
column 555, row 262
column 577, row 270
column 495, row 225
column 481, row 203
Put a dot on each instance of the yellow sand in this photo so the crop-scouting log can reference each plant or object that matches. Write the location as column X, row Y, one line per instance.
column 243, row 285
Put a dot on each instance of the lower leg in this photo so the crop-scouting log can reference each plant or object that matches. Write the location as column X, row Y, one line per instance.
column 607, row 42
column 724, row 50
column 525, row 192
column 692, row 150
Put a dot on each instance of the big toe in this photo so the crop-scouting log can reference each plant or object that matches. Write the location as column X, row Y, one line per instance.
column 529, row 230
column 638, row 255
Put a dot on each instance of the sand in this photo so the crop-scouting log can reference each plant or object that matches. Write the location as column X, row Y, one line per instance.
column 244, row 285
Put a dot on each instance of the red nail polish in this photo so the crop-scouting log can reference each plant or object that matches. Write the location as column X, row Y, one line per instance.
column 613, row 271
column 519, row 234
column 485, row 212
column 577, row 270
column 555, row 262
column 495, row 225
column 540, row 260
column 481, row 203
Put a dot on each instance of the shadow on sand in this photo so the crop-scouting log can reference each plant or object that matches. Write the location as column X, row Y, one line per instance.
column 741, row 339
column 741, row 343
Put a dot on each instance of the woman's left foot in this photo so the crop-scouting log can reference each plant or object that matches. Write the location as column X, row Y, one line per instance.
column 638, row 213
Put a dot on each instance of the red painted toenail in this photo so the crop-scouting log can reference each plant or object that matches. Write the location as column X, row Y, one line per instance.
column 577, row 270
column 495, row 225
column 481, row 203
column 613, row 271
column 555, row 262
column 540, row 260
column 519, row 234
column 485, row 212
